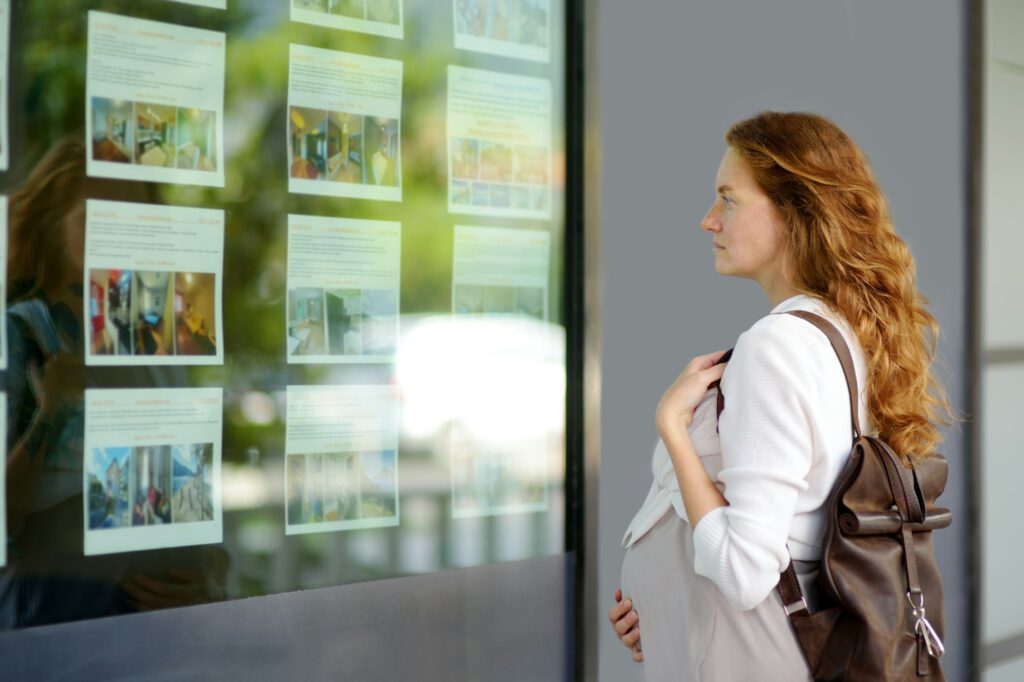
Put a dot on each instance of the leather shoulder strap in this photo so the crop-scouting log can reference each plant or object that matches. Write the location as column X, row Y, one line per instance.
column 845, row 359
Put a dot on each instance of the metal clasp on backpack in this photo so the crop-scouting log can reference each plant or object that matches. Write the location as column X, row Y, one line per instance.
column 924, row 629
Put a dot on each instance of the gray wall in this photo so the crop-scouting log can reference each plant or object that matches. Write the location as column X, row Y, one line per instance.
column 476, row 623
column 672, row 76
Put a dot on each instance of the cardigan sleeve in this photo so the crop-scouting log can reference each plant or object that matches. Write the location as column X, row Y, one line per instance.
column 770, row 388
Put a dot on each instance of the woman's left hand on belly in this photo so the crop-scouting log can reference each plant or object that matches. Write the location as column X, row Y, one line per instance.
column 626, row 622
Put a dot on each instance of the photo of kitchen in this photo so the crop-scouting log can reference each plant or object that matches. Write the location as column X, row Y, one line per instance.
column 155, row 126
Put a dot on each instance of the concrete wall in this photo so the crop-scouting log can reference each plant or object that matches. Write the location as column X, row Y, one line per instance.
column 671, row 78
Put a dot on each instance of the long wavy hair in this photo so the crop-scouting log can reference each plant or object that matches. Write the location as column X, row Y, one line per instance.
column 841, row 247
column 36, row 252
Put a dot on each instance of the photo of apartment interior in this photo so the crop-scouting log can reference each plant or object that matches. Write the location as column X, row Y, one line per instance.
column 341, row 486
column 151, row 485
column 495, row 162
column 380, row 321
column 307, row 140
column 531, row 165
column 296, row 477
column 112, row 130
column 460, row 192
column 378, row 484
column 311, row 5
column 532, row 28
column 197, row 140
column 384, row 11
column 305, row 489
column 344, row 321
column 110, row 318
column 471, row 17
column 344, row 147
column 530, row 302
column 152, row 296
column 382, row 149
column 469, row 299
column 194, row 313
column 155, row 127
column 499, row 300
column 306, row 322
column 355, row 9
column 465, row 158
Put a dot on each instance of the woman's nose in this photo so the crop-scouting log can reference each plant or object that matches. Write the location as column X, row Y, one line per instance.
column 709, row 223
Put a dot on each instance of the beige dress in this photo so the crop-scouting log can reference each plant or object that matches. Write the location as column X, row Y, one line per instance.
column 688, row 630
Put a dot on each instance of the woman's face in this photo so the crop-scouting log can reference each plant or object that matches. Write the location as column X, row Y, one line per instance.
column 748, row 232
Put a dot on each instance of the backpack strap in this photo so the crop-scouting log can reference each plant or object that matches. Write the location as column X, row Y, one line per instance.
column 845, row 359
column 789, row 587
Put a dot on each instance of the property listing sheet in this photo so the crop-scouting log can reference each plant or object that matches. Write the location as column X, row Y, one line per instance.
column 379, row 17
column 5, row 48
column 153, row 283
column 341, row 458
column 154, row 101
column 499, row 144
column 501, row 271
column 343, row 289
column 511, row 28
column 344, row 124
column 152, row 469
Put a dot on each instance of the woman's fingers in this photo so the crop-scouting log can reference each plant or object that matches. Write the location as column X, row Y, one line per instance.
column 626, row 623
column 632, row 638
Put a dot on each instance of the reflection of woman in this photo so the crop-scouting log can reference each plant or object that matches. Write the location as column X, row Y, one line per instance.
column 797, row 211
column 48, row 579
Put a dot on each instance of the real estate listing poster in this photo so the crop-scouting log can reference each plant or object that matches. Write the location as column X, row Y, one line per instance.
column 154, row 101
column 379, row 17
column 153, row 284
column 215, row 4
column 5, row 47
column 343, row 284
column 3, row 283
column 499, row 144
column 511, row 28
column 152, row 468
column 501, row 271
column 341, row 458
column 344, row 127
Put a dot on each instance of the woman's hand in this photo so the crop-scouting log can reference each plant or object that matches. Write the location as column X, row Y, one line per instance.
column 675, row 411
column 626, row 622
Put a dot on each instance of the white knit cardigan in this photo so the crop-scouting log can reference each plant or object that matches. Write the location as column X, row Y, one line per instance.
column 780, row 444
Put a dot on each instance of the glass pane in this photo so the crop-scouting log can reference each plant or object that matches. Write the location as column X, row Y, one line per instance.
column 284, row 296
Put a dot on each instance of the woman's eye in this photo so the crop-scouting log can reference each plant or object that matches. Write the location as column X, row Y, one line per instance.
column 726, row 200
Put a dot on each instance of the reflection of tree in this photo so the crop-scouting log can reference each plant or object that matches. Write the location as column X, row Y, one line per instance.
column 50, row 85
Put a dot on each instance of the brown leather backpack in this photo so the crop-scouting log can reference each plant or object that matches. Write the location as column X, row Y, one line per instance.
column 879, row 617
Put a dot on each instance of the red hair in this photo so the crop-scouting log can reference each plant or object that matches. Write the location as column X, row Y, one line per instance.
column 841, row 247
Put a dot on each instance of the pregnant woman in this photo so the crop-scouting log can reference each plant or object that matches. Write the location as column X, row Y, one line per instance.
column 736, row 496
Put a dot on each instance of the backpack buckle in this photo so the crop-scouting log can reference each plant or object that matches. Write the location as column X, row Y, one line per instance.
column 797, row 606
